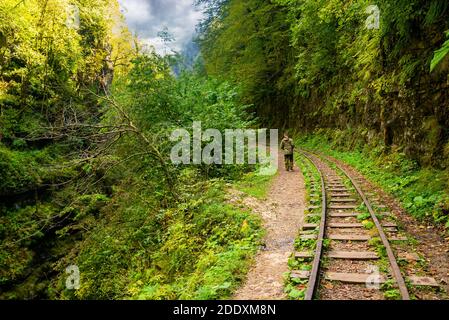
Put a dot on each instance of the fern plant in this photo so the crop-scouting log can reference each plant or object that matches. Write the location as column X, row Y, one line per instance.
column 440, row 54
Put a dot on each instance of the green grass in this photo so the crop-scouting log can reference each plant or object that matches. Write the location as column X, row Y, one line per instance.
column 255, row 185
column 423, row 192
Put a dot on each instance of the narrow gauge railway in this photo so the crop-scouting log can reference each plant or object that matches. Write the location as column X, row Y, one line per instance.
column 348, row 233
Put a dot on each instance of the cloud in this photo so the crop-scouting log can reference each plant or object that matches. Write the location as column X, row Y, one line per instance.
column 147, row 17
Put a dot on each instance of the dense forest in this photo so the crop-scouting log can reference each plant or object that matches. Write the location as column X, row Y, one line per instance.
column 314, row 64
column 86, row 113
column 316, row 68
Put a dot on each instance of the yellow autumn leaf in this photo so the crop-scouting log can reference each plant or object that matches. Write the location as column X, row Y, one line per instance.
column 245, row 226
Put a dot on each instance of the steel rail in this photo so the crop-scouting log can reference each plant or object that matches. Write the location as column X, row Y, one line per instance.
column 314, row 272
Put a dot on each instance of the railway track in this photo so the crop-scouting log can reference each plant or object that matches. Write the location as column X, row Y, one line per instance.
column 344, row 249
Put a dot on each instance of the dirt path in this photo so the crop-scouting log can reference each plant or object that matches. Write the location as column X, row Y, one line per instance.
column 282, row 213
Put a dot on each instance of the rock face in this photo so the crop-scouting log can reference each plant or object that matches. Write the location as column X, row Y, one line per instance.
column 413, row 118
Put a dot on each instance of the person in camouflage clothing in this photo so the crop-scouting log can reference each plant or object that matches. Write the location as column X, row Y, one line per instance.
column 288, row 147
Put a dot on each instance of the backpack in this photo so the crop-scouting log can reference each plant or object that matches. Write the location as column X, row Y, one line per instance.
column 288, row 146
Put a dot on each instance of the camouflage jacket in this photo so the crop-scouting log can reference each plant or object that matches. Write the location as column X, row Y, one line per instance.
column 287, row 146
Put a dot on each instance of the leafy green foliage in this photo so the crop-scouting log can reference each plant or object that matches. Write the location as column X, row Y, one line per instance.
column 50, row 72
column 368, row 224
column 247, row 42
column 85, row 170
column 295, row 294
column 390, row 292
column 198, row 249
column 440, row 54
column 306, row 64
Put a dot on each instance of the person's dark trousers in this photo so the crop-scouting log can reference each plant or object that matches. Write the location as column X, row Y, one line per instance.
column 288, row 162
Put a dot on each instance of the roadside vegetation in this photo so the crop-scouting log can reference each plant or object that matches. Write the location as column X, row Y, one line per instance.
column 85, row 173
